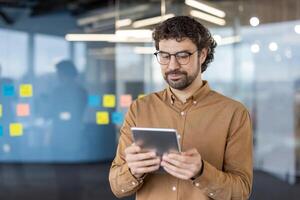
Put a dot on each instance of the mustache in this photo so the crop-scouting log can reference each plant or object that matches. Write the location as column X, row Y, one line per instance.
column 175, row 72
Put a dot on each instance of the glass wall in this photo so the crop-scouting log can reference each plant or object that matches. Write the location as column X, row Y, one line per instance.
column 63, row 101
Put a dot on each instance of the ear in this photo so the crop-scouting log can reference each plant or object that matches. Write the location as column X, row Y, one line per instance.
column 203, row 55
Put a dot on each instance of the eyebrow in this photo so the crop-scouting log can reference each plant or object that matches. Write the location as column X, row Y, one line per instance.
column 176, row 52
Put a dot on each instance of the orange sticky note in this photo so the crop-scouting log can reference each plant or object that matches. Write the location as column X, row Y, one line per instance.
column 102, row 118
column 15, row 129
column 23, row 110
column 109, row 101
column 25, row 90
column 125, row 100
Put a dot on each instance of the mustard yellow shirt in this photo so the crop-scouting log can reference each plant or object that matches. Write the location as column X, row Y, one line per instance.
column 217, row 126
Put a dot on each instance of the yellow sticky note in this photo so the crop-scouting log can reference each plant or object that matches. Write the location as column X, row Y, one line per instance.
column 102, row 117
column 141, row 95
column 16, row 129
column 25, row 90
column 1, row 110
column 125, row 100
column 109, row 101
column 23, row 110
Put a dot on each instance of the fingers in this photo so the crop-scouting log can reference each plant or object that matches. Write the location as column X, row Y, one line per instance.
column 132, row 149
column 145, row 163
column 140, row 156
column 180, row 158
column 175, row 171
column 176, row 162
column 144, row 170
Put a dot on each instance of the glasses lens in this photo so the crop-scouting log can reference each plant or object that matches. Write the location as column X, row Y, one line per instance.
column 163, row 58
column 183, row 57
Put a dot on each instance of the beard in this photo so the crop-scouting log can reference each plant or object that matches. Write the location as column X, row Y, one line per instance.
column 180, row 80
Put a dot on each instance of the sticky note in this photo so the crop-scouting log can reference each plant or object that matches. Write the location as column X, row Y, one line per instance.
column 1, row 110
column 102, row 118
column 23, row 110
column 125, row 100
column 109, row 101
column 117, row 118
column 15, row 129
column 94, row 100
column 8, row 90
column 25, row 90
column 1, row 131
column 141, row 95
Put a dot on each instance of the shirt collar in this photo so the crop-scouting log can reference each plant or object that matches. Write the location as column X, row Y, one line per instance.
column 197, row 96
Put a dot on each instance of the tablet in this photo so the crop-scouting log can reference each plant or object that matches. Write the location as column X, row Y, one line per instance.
column 161, row 140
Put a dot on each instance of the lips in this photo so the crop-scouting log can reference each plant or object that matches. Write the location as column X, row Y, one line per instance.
column 175, row 76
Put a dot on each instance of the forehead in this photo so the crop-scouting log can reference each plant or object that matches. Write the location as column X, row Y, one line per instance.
column 172, row 45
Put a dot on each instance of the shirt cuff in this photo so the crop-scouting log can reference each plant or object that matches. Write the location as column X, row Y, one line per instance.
column 203, row 182
column 131, row 181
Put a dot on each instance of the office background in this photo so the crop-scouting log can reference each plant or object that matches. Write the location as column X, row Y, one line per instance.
column 69, row 69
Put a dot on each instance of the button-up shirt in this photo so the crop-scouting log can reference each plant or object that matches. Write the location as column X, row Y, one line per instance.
column 217, row 126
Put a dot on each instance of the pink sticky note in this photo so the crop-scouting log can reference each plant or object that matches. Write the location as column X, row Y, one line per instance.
column 23, row 110
column 125, row 100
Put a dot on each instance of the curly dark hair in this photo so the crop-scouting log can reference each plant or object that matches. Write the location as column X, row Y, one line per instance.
column 181, row 27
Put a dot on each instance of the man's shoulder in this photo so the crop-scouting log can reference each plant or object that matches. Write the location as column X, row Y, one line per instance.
column 150, row 98
column 227, row 102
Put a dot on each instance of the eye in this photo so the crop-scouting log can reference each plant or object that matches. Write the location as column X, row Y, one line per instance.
column 164, row 55
column 182, row 55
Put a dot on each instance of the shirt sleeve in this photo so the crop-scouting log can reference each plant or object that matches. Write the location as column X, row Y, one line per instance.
column 235, row 180
column 122, row 182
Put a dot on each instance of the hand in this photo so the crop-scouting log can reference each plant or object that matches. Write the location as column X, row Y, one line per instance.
column 184, row 165
column 140, row 162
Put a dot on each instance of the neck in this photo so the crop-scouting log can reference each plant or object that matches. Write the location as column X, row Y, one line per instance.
column 184, row 94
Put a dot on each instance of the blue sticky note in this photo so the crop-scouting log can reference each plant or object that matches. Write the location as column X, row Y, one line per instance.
column 8, row 90
column 1, row 131
column 94, row 100
column 117, row 118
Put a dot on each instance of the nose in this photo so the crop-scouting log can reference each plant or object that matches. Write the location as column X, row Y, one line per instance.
column 173, row 64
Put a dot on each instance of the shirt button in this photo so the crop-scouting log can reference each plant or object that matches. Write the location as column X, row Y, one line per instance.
column 182, row 113
column 123, row 190
column 174, row 188
column 133, row 183
column 211, row 194
column 194, row 102
column 197, row 184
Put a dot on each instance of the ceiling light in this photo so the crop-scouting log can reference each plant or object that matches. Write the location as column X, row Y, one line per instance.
column 255, row 48
column 297, row 29
column 151, row 21
column 144, row 50
column 127, row 36
column 90, row 37
column 205, row 8
column 123, row 22
column 139, row 33
column 273, row 46
column 207, row 17
column 254, row 21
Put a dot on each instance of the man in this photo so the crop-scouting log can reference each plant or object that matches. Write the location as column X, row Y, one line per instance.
column 216, row 136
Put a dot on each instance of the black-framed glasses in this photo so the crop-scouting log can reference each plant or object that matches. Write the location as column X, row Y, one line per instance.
column 182, row 57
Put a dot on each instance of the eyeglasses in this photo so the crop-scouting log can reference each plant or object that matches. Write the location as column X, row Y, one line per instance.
column 182, row 57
